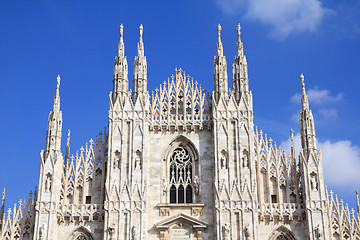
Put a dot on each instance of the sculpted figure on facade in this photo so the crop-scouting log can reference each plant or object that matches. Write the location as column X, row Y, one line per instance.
column 248, row 233
column 226, row 231
column 135, row 233
column 48, row 183
column 314, row 185
column 196, row 185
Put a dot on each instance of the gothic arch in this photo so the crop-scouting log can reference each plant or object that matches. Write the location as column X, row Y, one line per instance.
column 181, row 140
column 282, row 233
column 81, row 233
column 189, row 182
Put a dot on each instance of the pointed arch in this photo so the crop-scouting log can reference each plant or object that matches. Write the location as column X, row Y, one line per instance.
column 81, row 233
column 282, row 233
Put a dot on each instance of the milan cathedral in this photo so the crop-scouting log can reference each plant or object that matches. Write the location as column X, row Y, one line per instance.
column 180, row 163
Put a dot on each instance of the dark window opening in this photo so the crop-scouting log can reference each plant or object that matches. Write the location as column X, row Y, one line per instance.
column 88, row 200
column 273, row 199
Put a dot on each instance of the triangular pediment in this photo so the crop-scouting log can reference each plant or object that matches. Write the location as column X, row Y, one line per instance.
column 181, row 218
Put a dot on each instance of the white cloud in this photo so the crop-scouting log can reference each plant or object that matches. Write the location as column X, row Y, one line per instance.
column 284, row 16
column 318, row 97
column 341, row 161
column 327, row 114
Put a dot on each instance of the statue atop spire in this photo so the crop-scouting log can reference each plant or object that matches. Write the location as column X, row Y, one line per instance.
column 219, row 46
column 53, row 138
column 239, row 44
column 121, row 47
column 140, row 68
column 56, row 105
column 307, row 127
column 304, row 98
column 120, row 81
column 140, row 51
column 240, row 80
column 141, row 29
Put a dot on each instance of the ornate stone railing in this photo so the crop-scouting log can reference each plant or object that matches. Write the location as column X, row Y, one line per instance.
column 280, row 210
column 80, row 212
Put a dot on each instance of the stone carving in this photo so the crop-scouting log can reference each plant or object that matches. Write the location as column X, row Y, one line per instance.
column 117, row 159
column 226, row 232
column 314, row 185
column 164, row 186
column 163, row 211
column 196, row 185
column 248, row 233
column 318, row 232
column 134, row 233
column 48, row 183
column 112, row 230
column 137, row 163
column 42, row 232
column 223, row 162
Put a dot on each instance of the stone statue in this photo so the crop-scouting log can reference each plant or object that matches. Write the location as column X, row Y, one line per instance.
column 117, row 159
column 137, row 163
column 226, row 231
column 112, row 230
column 223, row 162
column 313, row 181
column 41, row 232
column 318, row 232
column 164, row 186
column 196, row 185
column 134, row 233
column 48, row 183
column 248, row 233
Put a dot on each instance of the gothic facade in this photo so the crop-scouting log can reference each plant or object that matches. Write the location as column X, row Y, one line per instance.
column 180, row 163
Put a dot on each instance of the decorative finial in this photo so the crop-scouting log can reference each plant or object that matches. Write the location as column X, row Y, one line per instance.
column 121, row 31
column 141, row 28
column 58, row 80
column 302, row 80
column 219, row 32
column 238, row 30
column 3, row 194
column 68, row 134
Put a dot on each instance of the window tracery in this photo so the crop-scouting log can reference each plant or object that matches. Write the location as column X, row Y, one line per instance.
column 281, row 237
column 181, row 176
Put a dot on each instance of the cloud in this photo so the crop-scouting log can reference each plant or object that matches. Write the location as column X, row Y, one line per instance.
column 341, row 160
column 318, row 97
column 326, row 114
column 284, row 16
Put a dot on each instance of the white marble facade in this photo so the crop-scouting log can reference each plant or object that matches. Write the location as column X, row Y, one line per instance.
column 181, row 163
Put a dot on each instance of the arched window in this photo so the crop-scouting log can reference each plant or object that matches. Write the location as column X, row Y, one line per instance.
column 81, row 234
column 181, row 176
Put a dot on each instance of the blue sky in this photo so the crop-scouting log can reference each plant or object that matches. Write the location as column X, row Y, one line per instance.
column 78, row 40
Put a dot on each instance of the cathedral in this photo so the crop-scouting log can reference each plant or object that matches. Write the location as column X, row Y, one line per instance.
column 180, row 163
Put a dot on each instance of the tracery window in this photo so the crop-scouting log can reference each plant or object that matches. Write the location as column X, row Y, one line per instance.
column 181, row 176
column 281, row 237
